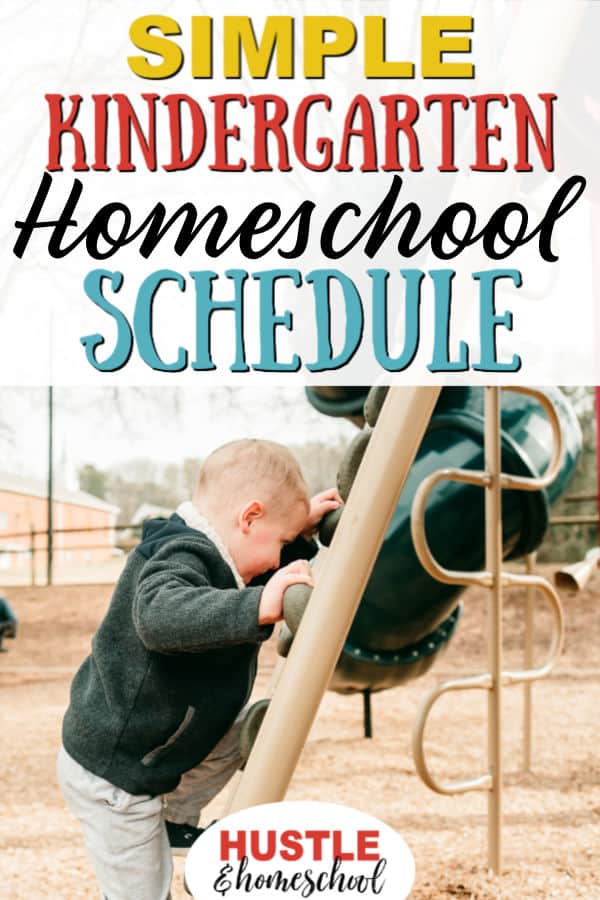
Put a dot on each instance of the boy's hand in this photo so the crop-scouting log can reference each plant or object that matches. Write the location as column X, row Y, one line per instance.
column 320, row 505
column 270, row 608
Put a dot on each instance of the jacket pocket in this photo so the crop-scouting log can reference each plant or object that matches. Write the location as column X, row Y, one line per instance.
column 151, row 758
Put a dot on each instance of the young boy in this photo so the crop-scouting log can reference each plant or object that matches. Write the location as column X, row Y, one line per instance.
column 174, row 660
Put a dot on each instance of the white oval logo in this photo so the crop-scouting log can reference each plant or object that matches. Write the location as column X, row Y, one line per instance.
column 299, row 849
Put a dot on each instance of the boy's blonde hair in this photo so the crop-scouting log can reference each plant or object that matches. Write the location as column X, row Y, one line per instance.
column 253, row 467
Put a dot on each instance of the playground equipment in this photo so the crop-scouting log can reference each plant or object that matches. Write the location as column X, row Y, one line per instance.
column 8, row 622
column 406, row 615
column 417, row 432
column 494, row 578
column 575, row 577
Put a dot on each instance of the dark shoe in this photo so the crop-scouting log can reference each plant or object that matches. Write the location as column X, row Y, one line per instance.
column 181, row 837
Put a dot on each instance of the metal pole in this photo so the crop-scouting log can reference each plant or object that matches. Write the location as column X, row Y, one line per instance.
column 32, row 545
column 367, row 719
column 493, row 545
column 50, row 485
column 339, row 587
column 598, row 454
column 528, row 664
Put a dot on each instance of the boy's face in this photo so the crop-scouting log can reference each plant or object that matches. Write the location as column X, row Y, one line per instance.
column 263, row 534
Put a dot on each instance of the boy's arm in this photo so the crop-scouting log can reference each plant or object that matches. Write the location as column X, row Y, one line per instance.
column 177, row 610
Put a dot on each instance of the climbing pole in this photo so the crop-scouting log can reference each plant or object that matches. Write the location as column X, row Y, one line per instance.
column 318, row 642
column 493, row 480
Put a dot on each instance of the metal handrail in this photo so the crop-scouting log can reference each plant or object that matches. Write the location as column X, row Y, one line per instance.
column 481, row 783
column 485, row 682
column 524, row 483
column 419, row 536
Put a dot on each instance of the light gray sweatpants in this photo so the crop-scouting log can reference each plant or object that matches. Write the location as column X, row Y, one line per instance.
column 125, row 834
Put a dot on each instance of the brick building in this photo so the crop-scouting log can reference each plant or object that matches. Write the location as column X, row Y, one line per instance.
column 24, row 510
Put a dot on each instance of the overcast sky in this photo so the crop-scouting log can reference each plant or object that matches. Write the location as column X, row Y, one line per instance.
column 106, row 426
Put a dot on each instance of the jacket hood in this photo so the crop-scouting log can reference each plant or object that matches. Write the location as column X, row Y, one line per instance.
column 156, row 532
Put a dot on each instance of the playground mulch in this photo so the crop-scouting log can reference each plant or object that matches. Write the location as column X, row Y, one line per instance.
column 551, row 814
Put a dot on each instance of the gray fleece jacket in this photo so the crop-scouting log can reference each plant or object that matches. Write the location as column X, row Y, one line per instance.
column 172, row 663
